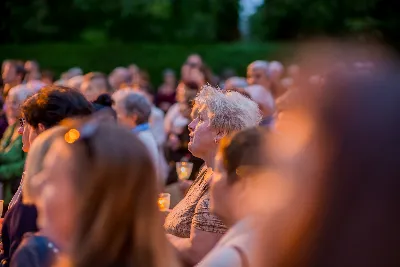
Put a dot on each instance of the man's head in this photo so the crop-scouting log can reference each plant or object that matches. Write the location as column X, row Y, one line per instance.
column 120, row 77
column 50, row 106
column 95, row 84
column 13, row 72
column 258, row 73
column 263, row 98
column 132, row 108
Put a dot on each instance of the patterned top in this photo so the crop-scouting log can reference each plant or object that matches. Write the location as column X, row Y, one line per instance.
column 194, row 211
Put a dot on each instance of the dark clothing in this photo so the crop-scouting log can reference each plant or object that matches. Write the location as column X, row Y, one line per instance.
column 3, row 124
column 34, row 251
column 182, row 154
column 19, row 220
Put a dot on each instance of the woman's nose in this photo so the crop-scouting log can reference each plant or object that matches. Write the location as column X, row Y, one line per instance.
column 21, row 130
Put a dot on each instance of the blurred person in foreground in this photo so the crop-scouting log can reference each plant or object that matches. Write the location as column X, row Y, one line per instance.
column 12, row 158
column 265, row 102
column 81, row 218
column 347, row 215
column 37, row 249
column 13, row 74
column 240, row 165
column 165, row 96
column 190, row 226
column 43, row 110
column 133, row 111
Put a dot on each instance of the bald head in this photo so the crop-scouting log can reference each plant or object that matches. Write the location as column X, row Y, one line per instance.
column 258, row 73
column 263, row 98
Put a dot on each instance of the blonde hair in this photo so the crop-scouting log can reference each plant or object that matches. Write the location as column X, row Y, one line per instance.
column 119, row 223
column 34, row 161
column 229, row 111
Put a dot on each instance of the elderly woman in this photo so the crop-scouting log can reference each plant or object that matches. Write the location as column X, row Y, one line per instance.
column 190, row 226
column 12, row 157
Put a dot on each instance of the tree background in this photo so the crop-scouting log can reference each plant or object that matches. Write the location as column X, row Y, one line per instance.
column 156, row 34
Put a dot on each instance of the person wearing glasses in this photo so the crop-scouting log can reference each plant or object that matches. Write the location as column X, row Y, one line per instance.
column 43, row 110
column 12, row 158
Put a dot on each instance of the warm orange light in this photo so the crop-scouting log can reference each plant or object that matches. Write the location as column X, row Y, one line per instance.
column 71, row 136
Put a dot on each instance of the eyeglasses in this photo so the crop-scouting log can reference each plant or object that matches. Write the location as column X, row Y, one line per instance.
column 22, row 122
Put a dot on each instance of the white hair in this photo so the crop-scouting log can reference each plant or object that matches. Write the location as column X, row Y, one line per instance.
column 22, row 92
column 134, row 103
column 261, row 96
column 259, row 64
column 229, row 111
column 235, row 82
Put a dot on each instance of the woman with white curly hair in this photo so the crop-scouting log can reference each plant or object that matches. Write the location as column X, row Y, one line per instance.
column 190, row 226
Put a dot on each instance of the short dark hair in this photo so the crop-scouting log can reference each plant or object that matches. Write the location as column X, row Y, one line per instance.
column 52, row 104
column 242, row 150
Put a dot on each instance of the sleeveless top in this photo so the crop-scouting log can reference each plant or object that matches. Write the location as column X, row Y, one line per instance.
column 194, row 210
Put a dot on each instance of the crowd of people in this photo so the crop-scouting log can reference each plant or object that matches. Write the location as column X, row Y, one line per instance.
column 289, row 168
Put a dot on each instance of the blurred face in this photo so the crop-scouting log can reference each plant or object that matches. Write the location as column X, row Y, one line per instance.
column 122, row 117
column 56, row 199
column 9, row 73
column 257, row 76
column 12, row 107
column 202, row 136
column 29, row 134
column 194, row 61
column 180, row 93
column 93, row 89
column 222, row 194
column 169, row 78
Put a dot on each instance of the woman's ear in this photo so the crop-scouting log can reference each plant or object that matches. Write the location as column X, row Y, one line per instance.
column 41, row 128
column 218, row 137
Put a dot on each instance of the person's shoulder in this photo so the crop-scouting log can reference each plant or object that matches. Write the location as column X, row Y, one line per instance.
column 221, row 256
column 31, row 251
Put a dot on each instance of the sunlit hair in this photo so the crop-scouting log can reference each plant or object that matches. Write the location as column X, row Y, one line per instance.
column 228, row 111
column 34, row 161
column 118, row 221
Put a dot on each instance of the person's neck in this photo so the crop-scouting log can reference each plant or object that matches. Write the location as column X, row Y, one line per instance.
column 209, row 160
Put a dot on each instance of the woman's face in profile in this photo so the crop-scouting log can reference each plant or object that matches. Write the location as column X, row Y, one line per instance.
column 57, row 199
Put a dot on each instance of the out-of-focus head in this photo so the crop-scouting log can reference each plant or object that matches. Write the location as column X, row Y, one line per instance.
column 34, row 165
column 276, row 70
column 49, row 107
column 186, row 90
column 194, row 60
column 120, row 78
column 263, row 98
column 47, row 77
column 169, row 77
column 240, row 162
column 95, row 84
column 81, row 163
column 13, row 72
column 75, row 82
column 15, row 98
column 219, row 113
column 132, row 108
column 76, row 71
column 32, row 66
column 258, row 73
column 235, row 82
